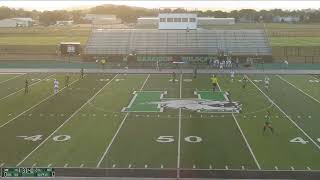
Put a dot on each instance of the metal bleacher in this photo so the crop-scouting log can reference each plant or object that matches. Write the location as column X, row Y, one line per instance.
column 177, row 42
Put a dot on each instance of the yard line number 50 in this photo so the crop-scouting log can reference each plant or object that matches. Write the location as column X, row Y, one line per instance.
column 169, row 139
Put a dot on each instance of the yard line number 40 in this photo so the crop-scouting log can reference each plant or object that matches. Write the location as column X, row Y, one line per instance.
column 58, row 138
column 301, row 140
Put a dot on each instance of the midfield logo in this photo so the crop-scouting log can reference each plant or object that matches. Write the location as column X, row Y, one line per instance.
column 201, row 105
column 207, row 102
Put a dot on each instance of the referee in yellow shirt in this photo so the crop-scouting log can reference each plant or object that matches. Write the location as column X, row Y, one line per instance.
column 214, row 81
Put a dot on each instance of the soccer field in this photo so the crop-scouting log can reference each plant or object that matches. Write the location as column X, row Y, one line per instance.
column 150, row 121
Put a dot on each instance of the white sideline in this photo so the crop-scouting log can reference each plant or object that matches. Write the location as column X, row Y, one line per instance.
column 29, row 86
column 65, row 122
column 179, row 132
column 298, row 89
column 118, row 130
column 12, row 78
column 245, row 139
column 48, row 97
column 294, row 123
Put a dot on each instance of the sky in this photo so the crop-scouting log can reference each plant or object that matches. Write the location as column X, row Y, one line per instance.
column 203, row 5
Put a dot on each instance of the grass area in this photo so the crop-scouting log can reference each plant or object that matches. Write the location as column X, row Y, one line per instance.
column 54, row 35
column 268, row 26
column 55, row 40
column 42, row 40
column 45, row 31
column 84, row 125
column 295, row 41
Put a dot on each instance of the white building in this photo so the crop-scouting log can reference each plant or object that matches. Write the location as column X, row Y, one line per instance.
column 64, row 23
column 177, row 21
column 286, row 19
column 104, row 19
column 16, row 22
column 91, row 17
column 215, row 21
column 201, row 21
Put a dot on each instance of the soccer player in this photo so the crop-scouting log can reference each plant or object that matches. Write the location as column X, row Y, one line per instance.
column 216, row 63
column 228, row 93
column 267, row 123
column 221, row 65
column 157, row 66
column 195, row 69
column 174, row 77
column 126, row 70
column 81, row 73
column 214, row 81
column 244, row 81
column 266, row 82
column 55, row 86
column 232, row 76
column 67, row 80
column 26, row 87
column 103, row 63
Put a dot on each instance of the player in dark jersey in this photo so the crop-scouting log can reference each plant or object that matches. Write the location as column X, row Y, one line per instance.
column 174, row 77
column 81, row 73
column 244, row 81
column 67, row 80
column 267, row 123
column 26, row 87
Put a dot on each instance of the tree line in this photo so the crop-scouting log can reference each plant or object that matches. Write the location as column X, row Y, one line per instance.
column 130, row 14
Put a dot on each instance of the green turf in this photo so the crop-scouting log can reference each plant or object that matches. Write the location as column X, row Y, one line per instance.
column 219, row 135
column 100, row 134
column 55, row 111
column 16, row 104
column 271, row 150
column 307, row 83
column 7, row 77
column 292, row 100
column 101, row 119
column 18, row 83
column 144, row 132
column 141, row 101
column 209, row 95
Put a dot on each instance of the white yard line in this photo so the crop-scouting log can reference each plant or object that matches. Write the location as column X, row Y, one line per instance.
column 247, row 143
column 66, row 121
column 293, row 122
column 245, row 139
column 11, row 78
column 23, row 88
column 179, row 132
column 118, row 130
column 283, row 79
column 45, row 99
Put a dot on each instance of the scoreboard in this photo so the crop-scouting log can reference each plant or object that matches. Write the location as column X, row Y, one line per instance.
column 27, row 172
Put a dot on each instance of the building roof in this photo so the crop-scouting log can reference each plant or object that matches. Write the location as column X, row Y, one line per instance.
column 23, row 19
column 155, row 18
column 69, row 42
column 213, row 18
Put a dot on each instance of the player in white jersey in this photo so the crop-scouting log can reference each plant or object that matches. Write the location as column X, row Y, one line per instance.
column 216, row 63
column 232, row 76
column 221, row 65
column 266, row 82
column 55, row 86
